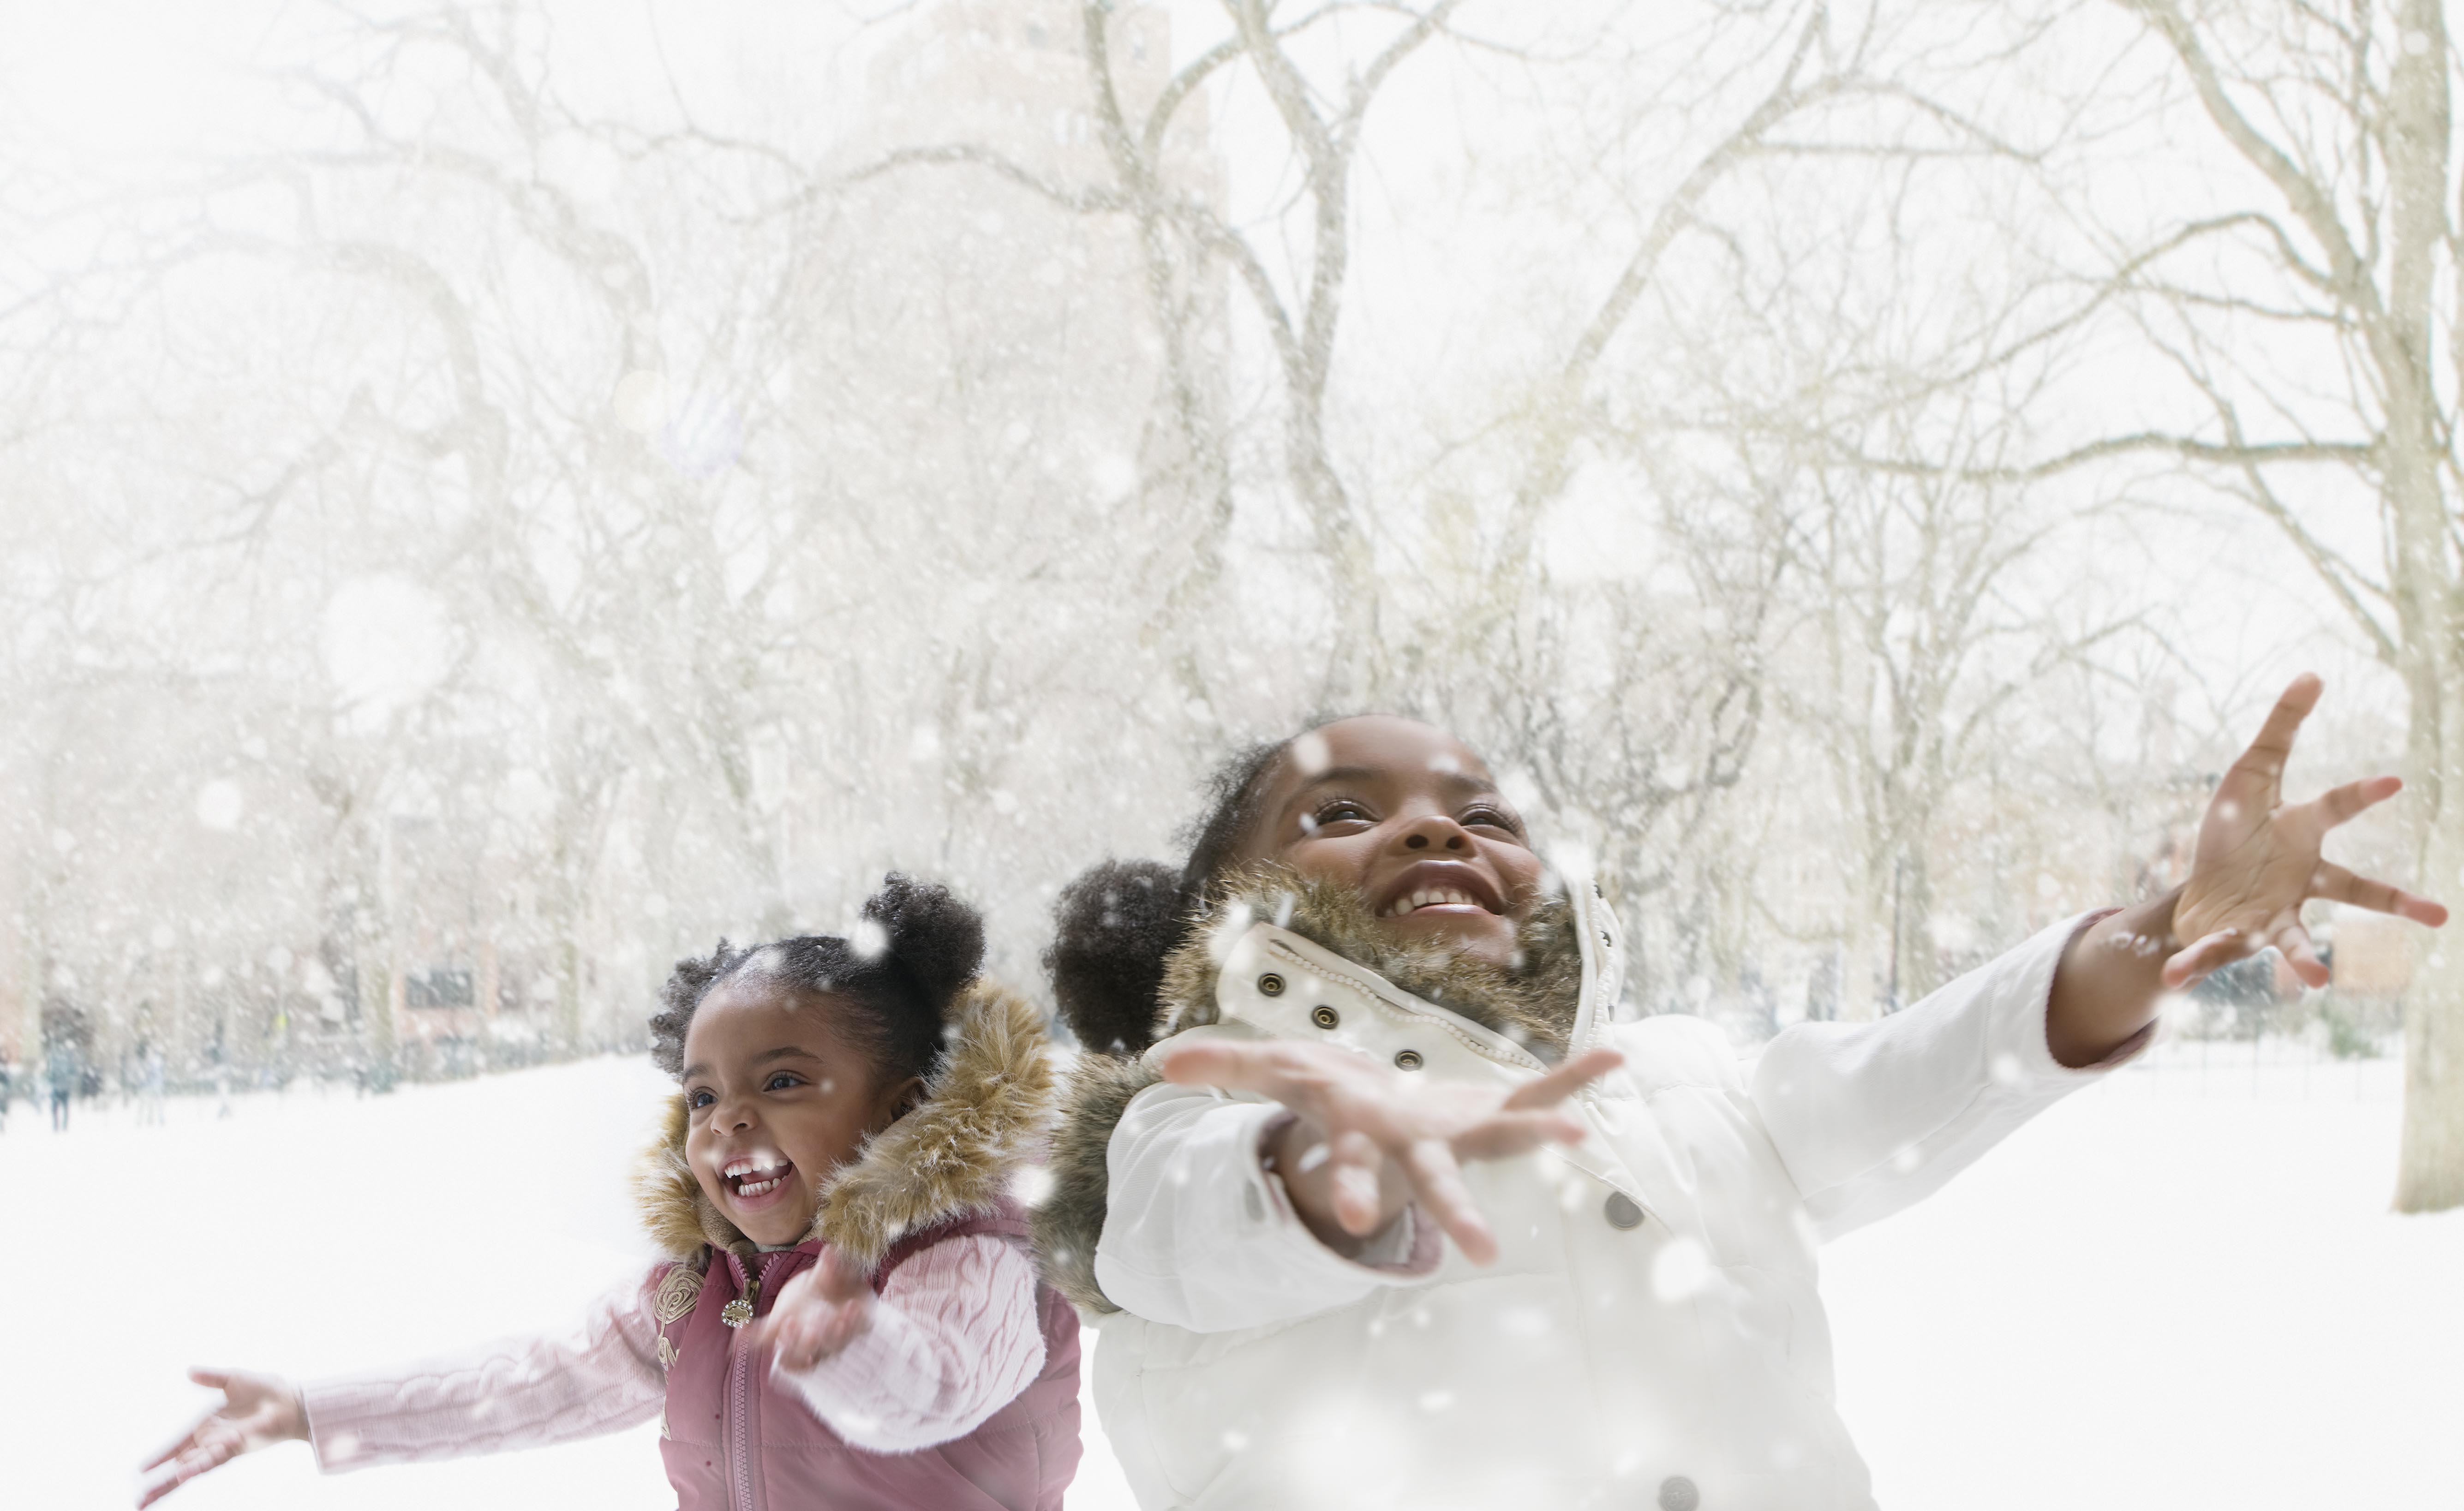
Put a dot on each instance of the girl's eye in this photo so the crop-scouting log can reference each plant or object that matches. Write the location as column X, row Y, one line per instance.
column 1490, row 818
column 1342, row 810
column 783, row 1080
column 699, row 1098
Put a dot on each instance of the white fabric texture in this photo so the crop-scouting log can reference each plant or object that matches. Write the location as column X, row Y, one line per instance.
column 953, row 1338
column 1653, row 1318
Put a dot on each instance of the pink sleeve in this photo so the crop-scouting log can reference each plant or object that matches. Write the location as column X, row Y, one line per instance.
column 954, row 1339
column 518, row 1392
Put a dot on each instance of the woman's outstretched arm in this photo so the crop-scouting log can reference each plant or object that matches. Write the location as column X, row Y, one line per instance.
column 520, row 1393
column 2258, row 861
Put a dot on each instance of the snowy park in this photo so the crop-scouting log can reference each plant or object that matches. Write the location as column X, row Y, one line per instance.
column 2180, row 1287
column 1442, row 675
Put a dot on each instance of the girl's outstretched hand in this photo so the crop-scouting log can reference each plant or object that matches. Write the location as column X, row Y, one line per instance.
column 2257, row 859
column 1369, row 1138
column 257, row 1409
column 817, row 1314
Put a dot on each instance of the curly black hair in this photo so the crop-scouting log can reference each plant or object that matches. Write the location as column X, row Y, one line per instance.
column 892, row 983
column 1119, row 921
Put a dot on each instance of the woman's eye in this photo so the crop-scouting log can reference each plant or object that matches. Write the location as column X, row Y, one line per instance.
column 698, row 1099
column 1342, row 810
column 1491, row 818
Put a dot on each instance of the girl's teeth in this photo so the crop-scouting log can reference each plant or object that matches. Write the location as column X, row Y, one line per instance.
column 1425, row 899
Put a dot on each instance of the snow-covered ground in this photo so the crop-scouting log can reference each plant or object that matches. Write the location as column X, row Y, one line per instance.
column 2180, row 1289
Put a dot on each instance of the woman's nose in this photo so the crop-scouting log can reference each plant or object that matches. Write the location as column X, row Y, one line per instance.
column 1435, row 831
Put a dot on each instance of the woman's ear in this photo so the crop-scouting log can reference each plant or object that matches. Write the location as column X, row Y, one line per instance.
column 897, row 1100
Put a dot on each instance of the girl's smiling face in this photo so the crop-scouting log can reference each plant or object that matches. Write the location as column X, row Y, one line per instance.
column 1409, row 816
column 777, row 1103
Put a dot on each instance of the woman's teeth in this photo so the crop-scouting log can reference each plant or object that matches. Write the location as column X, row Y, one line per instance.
column 757, row 1176
column 1429, row 897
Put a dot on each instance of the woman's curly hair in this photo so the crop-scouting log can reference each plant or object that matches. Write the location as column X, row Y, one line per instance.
column 1119, row 921
column 891, row 983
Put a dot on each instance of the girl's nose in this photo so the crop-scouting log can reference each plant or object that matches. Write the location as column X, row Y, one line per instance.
column 1435, row 831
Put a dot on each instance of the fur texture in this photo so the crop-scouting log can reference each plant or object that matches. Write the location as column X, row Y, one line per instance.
column 1071, row 1219
column 986, row 1109
column 1535, row 1003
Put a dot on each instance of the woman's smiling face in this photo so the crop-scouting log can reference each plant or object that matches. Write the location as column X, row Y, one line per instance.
column 777, row 1103
column 1409, row 816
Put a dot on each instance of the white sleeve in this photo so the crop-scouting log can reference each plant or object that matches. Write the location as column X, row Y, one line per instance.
column 1871, row 1117
column 953, row 1339
column 1198, row 1235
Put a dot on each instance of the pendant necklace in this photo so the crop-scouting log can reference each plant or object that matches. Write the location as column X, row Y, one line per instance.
column 739, row 1311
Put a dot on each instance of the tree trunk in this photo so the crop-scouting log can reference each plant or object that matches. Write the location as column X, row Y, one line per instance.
column 2430, row 1168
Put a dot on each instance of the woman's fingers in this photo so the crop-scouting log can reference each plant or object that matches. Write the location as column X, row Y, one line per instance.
column 178, row 1445
column 215, row 1379
column 1234, row 1068
column 1353, row 1160
column 1437, row 1180
column 843, row 1278
column 1511, row 1133
column 2341, row 805
column 2188, row 965
column 1565, row 1080
column 2292, row 941
column 2264, row 761
column 2338, row 885
column 201, row 1455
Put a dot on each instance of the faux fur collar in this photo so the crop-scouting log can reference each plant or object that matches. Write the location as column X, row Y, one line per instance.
column 986, row 1109
column 1533, row 1003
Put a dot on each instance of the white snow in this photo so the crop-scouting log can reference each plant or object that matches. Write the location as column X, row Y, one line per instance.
column 2180, row 1289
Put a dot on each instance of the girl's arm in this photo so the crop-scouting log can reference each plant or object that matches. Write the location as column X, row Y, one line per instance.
column 953, row 1338
column 2256, row 862
column 1870, row 1117
column 520, row 1393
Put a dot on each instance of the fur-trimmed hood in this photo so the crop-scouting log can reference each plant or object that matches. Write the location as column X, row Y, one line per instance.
column 1535, row 1003
column 986, row 1109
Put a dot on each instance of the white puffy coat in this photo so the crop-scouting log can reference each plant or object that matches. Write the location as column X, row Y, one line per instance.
column 1651, row 1335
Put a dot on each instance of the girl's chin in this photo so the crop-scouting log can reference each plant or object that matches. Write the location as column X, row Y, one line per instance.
column 1474, row 931
column 773, row 1228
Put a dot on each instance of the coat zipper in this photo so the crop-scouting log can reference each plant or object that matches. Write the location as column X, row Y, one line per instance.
column 739, row 1448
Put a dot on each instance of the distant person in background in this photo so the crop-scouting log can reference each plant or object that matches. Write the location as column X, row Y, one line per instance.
column 60, row 1068
column 150, row 1084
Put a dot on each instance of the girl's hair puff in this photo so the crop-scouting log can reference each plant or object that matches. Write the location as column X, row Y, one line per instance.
column 893, row 980
column 1119, row 921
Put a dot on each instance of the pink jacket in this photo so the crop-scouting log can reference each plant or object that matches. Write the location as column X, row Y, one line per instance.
column 963, row 1393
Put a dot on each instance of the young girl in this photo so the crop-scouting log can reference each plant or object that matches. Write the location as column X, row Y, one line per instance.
column 1364, row 1016
column 848, row 1315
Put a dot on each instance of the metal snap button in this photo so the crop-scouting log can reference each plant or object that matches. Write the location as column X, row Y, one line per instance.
column 1624, row 1212
column 1270, row 985
column 1408, row 1059
column 1677, row 1493
column 1325, row 1016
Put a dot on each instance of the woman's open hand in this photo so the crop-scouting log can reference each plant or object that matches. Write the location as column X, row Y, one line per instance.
column 817, row 1314
column 2257, row 859
column 1369, row 1139
column 257, row 1409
